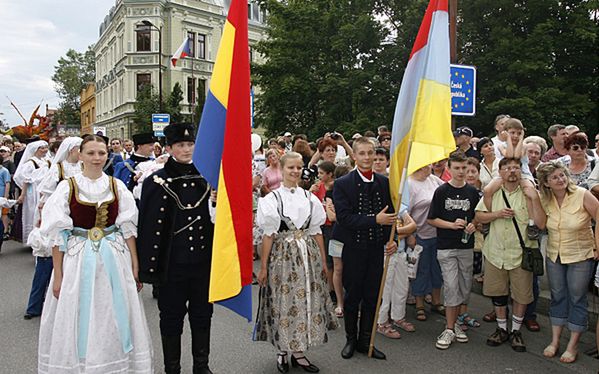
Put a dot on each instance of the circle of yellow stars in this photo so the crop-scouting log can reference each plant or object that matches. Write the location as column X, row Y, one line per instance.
column 469, row 90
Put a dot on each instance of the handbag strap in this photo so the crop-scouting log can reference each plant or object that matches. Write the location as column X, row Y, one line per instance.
column 514, row 220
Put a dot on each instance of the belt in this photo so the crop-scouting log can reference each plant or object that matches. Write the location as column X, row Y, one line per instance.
column 95, row 234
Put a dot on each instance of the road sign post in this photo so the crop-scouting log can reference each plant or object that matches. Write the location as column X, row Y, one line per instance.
column 159, row 122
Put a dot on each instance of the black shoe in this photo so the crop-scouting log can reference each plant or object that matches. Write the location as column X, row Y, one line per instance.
column 349, row 349
column 497, row 338
column 310, row 368
column 366, row 322
column 282, row 364
column 30, row 316
column 375, row 352
column 517, row 341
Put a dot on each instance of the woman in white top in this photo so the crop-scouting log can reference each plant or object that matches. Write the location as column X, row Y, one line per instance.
column 31, row 171
column 295, row 310
column 93, row 320
column 489, row 163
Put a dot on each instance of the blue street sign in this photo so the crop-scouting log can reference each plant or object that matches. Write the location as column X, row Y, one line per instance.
column 463, row 90
column 159, row 134
column 161, row 118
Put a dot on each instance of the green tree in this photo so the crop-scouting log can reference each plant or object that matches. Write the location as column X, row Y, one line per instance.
column 146, row 104
column 537, row 60
column 173, row 104
column 321, row 58
column 71, row 74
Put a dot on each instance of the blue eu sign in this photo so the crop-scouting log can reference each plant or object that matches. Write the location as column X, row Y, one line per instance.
column 463, row 90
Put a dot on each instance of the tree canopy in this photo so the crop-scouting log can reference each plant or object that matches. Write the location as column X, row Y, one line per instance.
column 73, row 72
column 148, row 103
column 338, row 65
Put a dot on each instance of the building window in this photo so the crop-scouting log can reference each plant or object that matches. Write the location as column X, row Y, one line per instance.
column 191, row 94
column 144, row 39
column 192, row 37
column 202, row 46
column 143, row 80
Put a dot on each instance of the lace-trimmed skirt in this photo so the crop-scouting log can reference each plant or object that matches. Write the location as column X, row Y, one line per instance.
column 295, row 309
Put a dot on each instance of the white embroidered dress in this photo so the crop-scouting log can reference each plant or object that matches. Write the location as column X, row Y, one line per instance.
column 98, row 324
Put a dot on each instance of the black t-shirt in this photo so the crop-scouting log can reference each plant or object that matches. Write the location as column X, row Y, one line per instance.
column 450, row 203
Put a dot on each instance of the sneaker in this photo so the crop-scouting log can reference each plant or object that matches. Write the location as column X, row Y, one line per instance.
column 460, row 335
column 497, row 338
column 517, row 341
column 532, row 231
column 445, row 339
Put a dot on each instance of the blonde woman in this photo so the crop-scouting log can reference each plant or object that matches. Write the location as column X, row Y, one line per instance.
column 571, row 249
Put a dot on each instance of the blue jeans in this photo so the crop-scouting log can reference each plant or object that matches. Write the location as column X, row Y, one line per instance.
column 428, row 275
column 41, row 281
column 569, row 288
column 531, row 309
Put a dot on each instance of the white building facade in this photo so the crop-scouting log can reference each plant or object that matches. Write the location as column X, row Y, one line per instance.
column 127, row 53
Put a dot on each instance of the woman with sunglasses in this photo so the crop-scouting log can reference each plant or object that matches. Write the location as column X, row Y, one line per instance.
column 578, row 164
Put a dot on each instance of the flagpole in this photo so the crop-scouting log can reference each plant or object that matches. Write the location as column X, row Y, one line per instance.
column 404, row 175
column 193, row 94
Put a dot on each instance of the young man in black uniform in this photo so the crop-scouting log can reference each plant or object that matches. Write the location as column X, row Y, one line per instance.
column 364, row 218
column 175, row 248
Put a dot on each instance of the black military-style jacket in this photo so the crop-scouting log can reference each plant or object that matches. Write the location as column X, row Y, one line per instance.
column 174, row 222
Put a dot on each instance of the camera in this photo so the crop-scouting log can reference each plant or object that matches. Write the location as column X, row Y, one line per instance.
column 335, row 135
column 309, row 175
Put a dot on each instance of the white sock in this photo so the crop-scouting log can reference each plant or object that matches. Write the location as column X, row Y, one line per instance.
column 516, row 323
column 502, row 323
column 531, row 222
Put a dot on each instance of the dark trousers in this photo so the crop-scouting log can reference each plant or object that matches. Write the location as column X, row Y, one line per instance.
column 531, row 309
column 362, row 272
column 39, row 286
column 185, row 292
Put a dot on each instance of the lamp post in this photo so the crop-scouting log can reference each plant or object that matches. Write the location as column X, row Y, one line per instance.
column 151, row 25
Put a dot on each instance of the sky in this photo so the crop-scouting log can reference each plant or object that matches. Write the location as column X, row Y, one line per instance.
column 34, row 35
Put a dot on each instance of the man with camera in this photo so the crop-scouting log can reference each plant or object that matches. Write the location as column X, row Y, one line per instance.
column 504, row 275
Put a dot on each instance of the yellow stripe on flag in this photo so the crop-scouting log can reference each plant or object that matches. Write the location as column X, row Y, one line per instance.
column 221, row 75
column 225, row 258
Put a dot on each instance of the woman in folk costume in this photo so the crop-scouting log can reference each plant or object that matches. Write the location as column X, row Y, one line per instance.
column 31, row 171
column 93, row 319
column 295, row 309
column 64, row 165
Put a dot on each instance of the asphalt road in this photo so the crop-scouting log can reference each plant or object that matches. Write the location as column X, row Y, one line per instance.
column 234, row 352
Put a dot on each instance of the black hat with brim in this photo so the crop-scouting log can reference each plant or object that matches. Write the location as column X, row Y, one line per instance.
column 145, row 138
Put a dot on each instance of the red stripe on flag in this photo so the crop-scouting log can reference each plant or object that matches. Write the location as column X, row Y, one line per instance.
column 422, row 38
column 237, row 168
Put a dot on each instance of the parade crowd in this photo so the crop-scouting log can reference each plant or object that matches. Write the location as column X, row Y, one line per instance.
column 104, row 216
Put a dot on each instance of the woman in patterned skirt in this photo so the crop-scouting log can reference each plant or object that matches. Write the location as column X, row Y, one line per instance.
column 295, row 309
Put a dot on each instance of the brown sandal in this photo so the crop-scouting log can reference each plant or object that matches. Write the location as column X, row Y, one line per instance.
column 420, row 314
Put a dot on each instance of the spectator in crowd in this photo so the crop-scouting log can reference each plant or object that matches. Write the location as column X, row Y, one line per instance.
column 157, row 150
column 452, row 213
column 128, row 145
column 395, row 291
column 5, row 155
column 596, row 149
column 503, row 253
column 335, row 249
column 488, row 164
column 500, row 137
column 117, row 148
column 381, row 161
column 382, row 130
column 558, row 135
column 578, row 164
column 287, row 138
column 385, row 140
column 303, row 148
column 462, row 136
column 271, row 176
column 440, row 170
column 473, row 179
column 422, row 185
column 570, row 251
column 535, row 149
column 297, row 137
column 571, row 129
column 328, row 150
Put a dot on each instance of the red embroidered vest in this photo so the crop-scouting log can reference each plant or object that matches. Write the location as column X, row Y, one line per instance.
column 88, row 215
